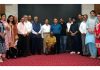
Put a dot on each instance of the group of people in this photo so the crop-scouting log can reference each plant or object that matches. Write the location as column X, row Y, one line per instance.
column 79, row 35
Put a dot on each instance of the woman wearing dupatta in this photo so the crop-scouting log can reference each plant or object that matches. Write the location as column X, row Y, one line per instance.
column 90, row 36
column 12, row 32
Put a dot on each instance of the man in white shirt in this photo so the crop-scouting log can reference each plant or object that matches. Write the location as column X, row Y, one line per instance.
column 68, row 24
column 22, row 28
column 83, row 31
column 45, row 32
column 22, row 40
column 28, row 26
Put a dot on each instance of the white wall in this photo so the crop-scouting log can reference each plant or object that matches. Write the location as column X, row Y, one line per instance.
column 12, row 9
column 86, row 8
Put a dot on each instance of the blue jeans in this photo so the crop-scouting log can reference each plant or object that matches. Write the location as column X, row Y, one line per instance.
column 92, row 49
column 85, row 48
column 63, row 43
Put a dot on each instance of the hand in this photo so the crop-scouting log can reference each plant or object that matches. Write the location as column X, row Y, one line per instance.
column 97, row 36
column 38, row 33
column 16, row 37
column 83, row 33
column 72, row 34
column 24, row 35
column 2, row 35
column 27, row 34
column 90, row 31
column 8, row 28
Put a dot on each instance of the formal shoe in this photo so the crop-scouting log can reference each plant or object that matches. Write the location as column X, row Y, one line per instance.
column 78, row 53
column 72, row 52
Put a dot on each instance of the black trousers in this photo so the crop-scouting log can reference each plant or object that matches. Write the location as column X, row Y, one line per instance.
column 29, row 44
column 57, row 45
column 80, row 44
column 22, row 46
column 69, row 43
column 36, row 44
column 76, row 44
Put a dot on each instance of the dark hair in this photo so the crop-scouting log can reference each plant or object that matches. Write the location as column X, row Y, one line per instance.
column 46, row 19
column 93, row 11
column 80, row 14
column 85, row 15
column 55, row 18
column 3, row 14
column 98, row 14
column 74, row 18
column 61, row 18
column 70, row 18
column 13, row 22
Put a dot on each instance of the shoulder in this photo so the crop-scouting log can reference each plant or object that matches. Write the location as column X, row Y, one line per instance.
column 82, row 23
column 43, row 25
column 28, row 21
column 68, row 23
column 19, row 23
column 52, row 24
column 88, row 19
column 96, row 18
column 49, row 25
column 72, row 24
column 59, row 25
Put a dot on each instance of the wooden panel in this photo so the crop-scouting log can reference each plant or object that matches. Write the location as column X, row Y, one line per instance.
column 97, row 8
column 2, row 8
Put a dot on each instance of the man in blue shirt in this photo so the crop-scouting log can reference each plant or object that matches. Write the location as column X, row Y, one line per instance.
column 56, row 29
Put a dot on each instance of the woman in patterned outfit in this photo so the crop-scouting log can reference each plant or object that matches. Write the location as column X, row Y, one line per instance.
column 2, row 42
column 7, row 29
